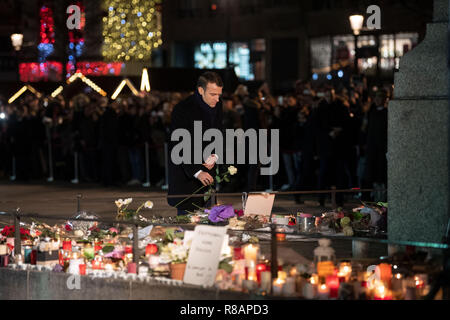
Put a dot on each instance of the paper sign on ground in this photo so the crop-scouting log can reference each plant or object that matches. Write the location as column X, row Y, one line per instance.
column 204, row 255
column 260, row 204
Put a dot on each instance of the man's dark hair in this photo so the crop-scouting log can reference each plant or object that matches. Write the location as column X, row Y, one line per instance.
column 209, row 77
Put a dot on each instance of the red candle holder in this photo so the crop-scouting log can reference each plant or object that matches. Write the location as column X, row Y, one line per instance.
column 33, row 256
column 238, row 253
column 82, row 269
column 260, row 268
column 98, row 246
column 131, row 267
column 333, row 283
column 67, row 245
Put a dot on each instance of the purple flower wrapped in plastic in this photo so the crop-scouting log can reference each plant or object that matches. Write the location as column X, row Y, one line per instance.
column 220, row 213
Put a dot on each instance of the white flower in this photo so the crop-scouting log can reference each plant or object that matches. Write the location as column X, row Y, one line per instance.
column 127, row 201
column 119, row 203
column 232, row 170
column 148, row 204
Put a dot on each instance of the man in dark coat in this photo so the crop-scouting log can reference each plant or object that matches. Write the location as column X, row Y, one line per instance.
column 204, row 105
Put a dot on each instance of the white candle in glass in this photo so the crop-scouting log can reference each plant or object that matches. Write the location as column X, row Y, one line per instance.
column 289, row 287
column 251, row 252
column 277, row 287
column 266, row 279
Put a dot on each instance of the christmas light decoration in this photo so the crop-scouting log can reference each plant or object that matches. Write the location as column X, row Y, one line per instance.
column 86, row 80
column 98, row 68
column 46, row 33
column 44, row 71
column 22, row 90
column 131, row 30
column 145, row 82
column 76, row 41
column 57, row 91
column 120, row 87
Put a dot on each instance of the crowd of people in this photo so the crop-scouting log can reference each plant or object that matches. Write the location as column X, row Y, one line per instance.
column 329, row 136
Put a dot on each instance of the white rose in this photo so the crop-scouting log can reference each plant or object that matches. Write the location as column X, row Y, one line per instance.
column 232, row 170
column 119, row 203
column 148, row 204
column 127, row 201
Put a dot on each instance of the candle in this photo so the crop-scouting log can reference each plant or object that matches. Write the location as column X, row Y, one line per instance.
column 277, row 286
column 266, row 279
column 325, row 268
column 345, row 270
column 251, row 252
column 67, row 245
column 131, row 267
column 237, row 253
column 384, row 272
column 109, row 267
column 314, row 280
column 281, row 236
column 82, row 268
column 381, row 292
column 309, row 291
column 282, row 275
column 289, row 287
column 143, row 270
column 252, row 275
column 260, row 267
column 323, row 291
column 97, row 263
column 74, row 266
column 332, row 283
column 153, row 261
column 250, row 285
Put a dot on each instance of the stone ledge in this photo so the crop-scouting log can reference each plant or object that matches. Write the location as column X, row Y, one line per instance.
column 47, row 285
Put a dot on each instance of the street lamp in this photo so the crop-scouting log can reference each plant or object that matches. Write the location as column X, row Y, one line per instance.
column 356, row 22
column 17, row 40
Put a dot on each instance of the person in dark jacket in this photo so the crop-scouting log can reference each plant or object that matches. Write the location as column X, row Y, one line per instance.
column 376, row 168
column 205, row 106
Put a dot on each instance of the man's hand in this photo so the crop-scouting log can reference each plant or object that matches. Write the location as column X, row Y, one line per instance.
column 205, row 178
column 208, row 166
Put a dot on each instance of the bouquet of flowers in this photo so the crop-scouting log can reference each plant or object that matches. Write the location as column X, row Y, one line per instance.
column 175, row 252
column 9, row 231
column 123, row 213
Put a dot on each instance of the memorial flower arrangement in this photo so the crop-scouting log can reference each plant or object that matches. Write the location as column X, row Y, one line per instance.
column 175, row 252
column 124, row 213
column 362, row 219
column 9, row 231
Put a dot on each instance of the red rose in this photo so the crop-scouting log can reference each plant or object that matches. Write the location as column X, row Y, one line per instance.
column 68, row 227
column 239, row 213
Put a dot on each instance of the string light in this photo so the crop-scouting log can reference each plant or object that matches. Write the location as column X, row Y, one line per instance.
column 145, row 82
column 131, row 30
column 122, row 85
column 22, row 90
column 86, row 80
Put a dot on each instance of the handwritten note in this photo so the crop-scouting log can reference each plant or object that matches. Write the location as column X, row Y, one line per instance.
column 204, row 255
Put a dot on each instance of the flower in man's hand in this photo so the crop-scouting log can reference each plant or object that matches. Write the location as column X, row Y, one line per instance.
column 232, row 170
